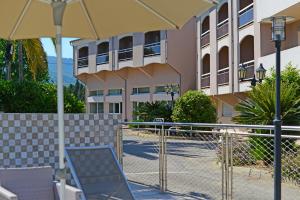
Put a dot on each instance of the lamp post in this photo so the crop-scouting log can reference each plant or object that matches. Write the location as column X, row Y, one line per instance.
column 278, row 35
column 172, row 89
column 259, row 75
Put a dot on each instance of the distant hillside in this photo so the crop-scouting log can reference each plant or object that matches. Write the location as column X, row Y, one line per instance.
column 67, row 67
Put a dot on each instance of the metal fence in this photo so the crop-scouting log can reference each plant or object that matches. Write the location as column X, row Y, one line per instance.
column 209, row 161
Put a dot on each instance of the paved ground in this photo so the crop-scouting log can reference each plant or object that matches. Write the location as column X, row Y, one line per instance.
column 143, row 192
column 193, row 171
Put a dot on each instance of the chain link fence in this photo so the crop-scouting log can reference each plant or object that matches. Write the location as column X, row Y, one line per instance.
column 203, row 161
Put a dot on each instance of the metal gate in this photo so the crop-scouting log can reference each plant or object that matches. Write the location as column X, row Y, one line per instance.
column 204, row 162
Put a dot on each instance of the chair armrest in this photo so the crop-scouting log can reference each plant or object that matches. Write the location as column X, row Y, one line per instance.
column 71, row 193
column 7, row 195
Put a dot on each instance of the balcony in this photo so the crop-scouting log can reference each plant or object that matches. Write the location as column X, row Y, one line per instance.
column 205, row 81
column 102, row 59
column 222, row 29
column 83, row 62
column 223, row 76
column 205, row 37
column 249, row 65
column 246, row 16
column 125, row 54
column 152, row 49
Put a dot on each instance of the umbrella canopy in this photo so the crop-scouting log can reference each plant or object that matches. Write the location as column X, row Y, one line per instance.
column 89, row 19
column 94, row 19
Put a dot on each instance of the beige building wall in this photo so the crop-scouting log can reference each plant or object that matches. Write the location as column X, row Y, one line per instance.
column 244, row 41
column 175, row 64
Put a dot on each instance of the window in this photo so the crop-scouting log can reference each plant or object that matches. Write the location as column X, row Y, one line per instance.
column 102, row 53
column 160, row 89
column 83, row 54
column 115, row 108
column 125, row 48
column 96, row 108
column 152, row 43
column 113, row 92
column 227, row 110
column 142, row 90
column 96, row 93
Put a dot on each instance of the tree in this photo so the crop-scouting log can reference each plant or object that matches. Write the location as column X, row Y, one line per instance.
column 25, row 56
column 149, row 111
column 259, row 107
column 35, row 97
column 194, row 107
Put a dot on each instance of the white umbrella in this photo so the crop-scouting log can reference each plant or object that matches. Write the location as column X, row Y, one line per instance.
column 90, row 19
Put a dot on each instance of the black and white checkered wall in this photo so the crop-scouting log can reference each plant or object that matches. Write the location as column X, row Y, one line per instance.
column 28, row 140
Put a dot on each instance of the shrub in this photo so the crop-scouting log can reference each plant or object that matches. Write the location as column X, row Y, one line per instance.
column 259, row 108
column 148, row 111
column 194, row 107
column 291, row 167
column 34, row 97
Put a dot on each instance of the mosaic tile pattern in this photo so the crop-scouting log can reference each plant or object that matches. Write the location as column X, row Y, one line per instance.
column 28, row 140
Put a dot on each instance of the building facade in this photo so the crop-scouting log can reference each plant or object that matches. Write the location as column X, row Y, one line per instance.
column 234, row 33
column 126, row 70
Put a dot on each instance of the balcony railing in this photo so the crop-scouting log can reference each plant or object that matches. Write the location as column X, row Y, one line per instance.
column 102, row 58
column 125, row 54
column 205, row 81
column 205, row 38
column 83, row 62
column 246, row 16
column 222, row 29
column 152, row 49
column 223, row 76
column 249, row 65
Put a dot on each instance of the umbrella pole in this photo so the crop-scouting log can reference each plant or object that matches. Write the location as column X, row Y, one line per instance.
column 60, row 111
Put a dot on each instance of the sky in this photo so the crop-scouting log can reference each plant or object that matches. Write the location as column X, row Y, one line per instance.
column 67, row 48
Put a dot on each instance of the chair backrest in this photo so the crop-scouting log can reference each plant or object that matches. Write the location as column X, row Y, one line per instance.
column 28, row 183
column 97, row 173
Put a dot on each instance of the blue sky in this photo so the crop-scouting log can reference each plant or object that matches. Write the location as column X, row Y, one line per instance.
column 67, row 48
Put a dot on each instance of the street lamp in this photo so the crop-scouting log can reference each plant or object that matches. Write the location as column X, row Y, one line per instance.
column 278, row 35
column 260, row 73
column 172, row 89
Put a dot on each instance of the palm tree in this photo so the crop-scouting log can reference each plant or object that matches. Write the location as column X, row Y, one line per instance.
column 259, row 108
column 30, row 52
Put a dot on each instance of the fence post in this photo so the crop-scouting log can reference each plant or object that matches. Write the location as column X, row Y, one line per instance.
column 120, row 145
column 227, row 166
column 165, row 172
column 162, row 161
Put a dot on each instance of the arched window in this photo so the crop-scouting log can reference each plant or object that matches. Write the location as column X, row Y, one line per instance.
column 152, row 43
column 246, row 13
column 206, row 64
column 222, row 28
column 247, row 55
column 83, row 54
column 245, row 3
column 205, row 77
column 247, row 49
column 102, row 53
column 205, row 32
column 125, row 48
column 224, row 58
column 223, row 70
column 223, row 13
column 205, row 25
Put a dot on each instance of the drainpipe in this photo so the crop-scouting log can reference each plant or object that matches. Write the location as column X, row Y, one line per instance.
column 232, row 47
column 125, row 100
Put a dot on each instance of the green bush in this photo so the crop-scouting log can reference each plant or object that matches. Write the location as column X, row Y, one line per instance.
column 194, row 107
column 34, row 97
column 148, row 111
column 259, row 108
column 291, row 167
